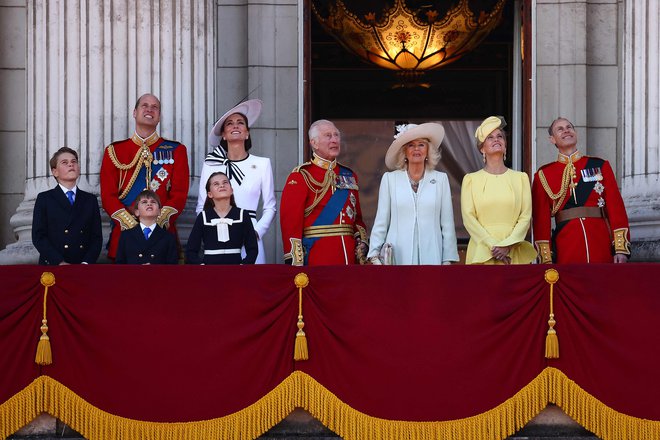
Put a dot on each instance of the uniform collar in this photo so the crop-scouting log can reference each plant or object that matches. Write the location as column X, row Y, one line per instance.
column 149, row 141
column 572, row 158
column 323, row 163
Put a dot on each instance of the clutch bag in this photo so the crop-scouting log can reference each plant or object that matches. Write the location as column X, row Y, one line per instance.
column 386, row 254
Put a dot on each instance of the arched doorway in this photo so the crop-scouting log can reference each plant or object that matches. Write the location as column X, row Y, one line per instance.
column 366, row 101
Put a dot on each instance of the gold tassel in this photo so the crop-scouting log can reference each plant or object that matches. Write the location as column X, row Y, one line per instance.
column 300, row 352
column 44, row 354
column 551, row 339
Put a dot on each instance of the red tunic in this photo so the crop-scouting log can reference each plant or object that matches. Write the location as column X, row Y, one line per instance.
column 334, row 244
column 170, row 182
column 580, row 240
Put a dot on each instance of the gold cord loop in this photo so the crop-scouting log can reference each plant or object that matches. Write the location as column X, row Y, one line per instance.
column 300, row 352
column 551, row 339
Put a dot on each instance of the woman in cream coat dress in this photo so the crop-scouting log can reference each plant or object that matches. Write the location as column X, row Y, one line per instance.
column 415, row 214
column 496, row 203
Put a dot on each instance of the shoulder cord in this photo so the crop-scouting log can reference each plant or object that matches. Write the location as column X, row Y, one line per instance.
column 328, row 182
column 143, row 156
column 566, row 182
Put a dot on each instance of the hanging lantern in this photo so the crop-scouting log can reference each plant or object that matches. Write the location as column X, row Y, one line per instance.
column 405, row 40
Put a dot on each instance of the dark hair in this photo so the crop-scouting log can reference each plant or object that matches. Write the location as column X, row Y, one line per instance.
column 137, row 103
column 208, row 204
column 58, row 153
column 147, row 194
column 561, row 118
column 248, row 141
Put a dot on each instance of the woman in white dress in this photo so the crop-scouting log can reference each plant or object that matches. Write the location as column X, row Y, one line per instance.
column 415, row 214
column 251, row 176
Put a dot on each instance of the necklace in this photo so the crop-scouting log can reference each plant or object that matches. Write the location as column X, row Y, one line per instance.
column 413, row 183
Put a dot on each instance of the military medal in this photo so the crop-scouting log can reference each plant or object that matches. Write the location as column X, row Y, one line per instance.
column 352, row 199
column 154, row 185
column 162, row 174
column 349, row 212
column 592, row 174
column 599, row 188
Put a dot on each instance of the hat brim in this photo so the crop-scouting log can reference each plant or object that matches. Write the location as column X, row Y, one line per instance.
column 250, row 108
column 432, row 131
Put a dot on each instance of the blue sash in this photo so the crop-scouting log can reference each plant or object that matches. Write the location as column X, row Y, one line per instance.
column 330, row 212
column 163, row 150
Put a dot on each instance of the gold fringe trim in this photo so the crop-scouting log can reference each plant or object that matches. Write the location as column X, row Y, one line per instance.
column 46, row 394
column 301, row 390
column 594, row 415
column 21, row 408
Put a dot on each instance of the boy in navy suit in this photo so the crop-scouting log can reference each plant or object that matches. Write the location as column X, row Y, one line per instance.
column 147, row 243
column 66, row 223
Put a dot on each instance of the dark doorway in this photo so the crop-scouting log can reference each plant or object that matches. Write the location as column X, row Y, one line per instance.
column 366, row 102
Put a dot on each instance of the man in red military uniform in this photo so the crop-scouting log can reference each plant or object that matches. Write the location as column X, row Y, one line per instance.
column 581, row 193
column 144, row 161
column 320, row 211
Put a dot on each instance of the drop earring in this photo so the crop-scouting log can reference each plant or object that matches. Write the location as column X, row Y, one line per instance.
column 484, row 156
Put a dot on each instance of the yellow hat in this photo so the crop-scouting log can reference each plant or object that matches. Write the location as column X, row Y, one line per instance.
column 488, row 126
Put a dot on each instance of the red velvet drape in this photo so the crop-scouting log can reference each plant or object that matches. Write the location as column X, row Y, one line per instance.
column 184, row 343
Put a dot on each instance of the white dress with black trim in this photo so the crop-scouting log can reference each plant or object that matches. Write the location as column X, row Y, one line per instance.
column 251, row 179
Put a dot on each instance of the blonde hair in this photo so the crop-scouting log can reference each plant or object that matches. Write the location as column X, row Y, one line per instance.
column 432, row 155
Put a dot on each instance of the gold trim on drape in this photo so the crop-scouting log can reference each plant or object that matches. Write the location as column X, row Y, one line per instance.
column 301, row 390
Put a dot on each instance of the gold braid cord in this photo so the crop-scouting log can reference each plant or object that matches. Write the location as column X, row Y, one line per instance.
column 551, row 339
column 328, row 182
column 299, row 389
column 300, row 351
column 566, row 182
column 142, row 157
column 44, row 354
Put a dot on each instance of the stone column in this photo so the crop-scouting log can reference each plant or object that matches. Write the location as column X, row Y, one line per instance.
column 87, row 63
column 641, row 118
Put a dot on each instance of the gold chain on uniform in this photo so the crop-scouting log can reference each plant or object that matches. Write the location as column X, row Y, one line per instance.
column 566, row 181
column 143, row 156
column 328, row 182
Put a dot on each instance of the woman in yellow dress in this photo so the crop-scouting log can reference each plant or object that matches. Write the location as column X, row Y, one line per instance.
column 496, row 203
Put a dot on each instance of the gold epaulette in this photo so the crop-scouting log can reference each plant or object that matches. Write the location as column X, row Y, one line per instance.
column 126, row 220
column 299, row 167
column 163, row 219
